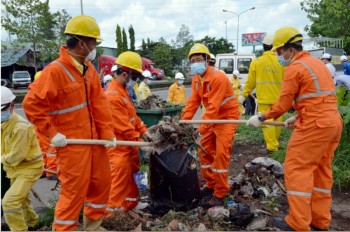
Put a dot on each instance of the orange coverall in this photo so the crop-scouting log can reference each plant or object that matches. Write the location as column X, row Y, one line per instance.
column 48, row 153
column 215, row 92
column 72, row 102
column 316, row 135
column 124, row 160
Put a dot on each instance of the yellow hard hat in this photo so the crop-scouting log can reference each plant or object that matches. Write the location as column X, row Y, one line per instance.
column 130, row 60
column 284, row 36
column 37, row 75
column 83, row 25
column 198, row 48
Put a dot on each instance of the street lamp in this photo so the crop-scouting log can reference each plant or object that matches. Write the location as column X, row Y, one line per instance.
column 238, row 14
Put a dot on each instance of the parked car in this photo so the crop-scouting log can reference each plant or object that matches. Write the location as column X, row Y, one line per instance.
column 21, row 79
column 228, row 62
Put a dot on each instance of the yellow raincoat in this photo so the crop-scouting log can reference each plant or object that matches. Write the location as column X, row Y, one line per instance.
column 177, row 94
column 236, row 86
column 143, row 91
column 23, row 163
column 266, row 75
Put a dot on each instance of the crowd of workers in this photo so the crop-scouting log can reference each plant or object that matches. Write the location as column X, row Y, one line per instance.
column 67, row 101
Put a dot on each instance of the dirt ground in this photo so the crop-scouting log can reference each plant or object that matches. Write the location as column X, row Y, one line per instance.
column 241, row 154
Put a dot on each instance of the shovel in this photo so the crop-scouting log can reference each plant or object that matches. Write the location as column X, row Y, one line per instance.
column 228, row 121
column 104, row 142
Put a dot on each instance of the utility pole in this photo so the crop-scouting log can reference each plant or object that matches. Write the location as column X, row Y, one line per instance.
column 81, row 7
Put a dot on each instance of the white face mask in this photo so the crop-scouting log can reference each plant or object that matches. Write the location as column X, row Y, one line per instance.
column 91, row 56
column 148, row 82
column 181, row 82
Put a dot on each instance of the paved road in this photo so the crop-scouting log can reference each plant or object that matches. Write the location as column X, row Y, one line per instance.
column 43, row 187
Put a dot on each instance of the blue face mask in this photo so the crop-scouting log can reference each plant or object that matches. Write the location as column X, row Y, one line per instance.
column 198, row 68
column 131, row 83
column 5, row 116
column 283, row 61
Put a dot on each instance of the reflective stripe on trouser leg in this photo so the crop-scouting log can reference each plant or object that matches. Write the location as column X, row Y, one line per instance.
column 305, row 152
column 220, row 167
column 99, row 185
column 208, row 143
column 271, row 133
column 16, row 202
column 124, row 163
column 321, row 197
column 75, row 163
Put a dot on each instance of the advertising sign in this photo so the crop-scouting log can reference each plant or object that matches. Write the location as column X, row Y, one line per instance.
column 253, row 39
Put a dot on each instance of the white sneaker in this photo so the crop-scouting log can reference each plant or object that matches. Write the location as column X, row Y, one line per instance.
column 141, row 206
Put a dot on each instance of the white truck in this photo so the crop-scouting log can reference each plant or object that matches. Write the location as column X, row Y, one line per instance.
column 228, row 62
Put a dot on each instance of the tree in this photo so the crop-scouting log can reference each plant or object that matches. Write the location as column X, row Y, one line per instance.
column 183, row 37
column 31, row 22
column 143, row 46
column 329, row 18
column 161, row 54
column 132, row 38
column 125, row 41
column 216, row 46
column 119, row 40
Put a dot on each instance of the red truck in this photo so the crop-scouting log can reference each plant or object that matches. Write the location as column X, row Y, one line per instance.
column 106, row 62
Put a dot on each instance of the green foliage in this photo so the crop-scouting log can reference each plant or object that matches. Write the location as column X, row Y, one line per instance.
column 183, row 37
column 32, row 22
column 119, row 40
column 329, row 18
column 216, row 46
column 143, row 46
column 132, row 38
column 161, row 55
column 341, row 162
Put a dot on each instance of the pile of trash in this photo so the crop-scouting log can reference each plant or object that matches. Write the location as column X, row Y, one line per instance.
column 169, row 134
column 153, row 102
column 261, row 177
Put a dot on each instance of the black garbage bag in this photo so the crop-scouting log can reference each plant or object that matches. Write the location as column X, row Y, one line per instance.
column 174, row 183
column 241, row 215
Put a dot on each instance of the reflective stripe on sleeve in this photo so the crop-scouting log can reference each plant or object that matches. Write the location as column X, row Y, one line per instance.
column 297, row 193
column 317, row 85
column 120, row 209
column 130, row 199
column 50, row 154
column 219, row 170
column 70, row 109
column 95, row 206
column 322, row 190
column 32, row 160
column 227, row 99
column 65, row 222
column 13, row 210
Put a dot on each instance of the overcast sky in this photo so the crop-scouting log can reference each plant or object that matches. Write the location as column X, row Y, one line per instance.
column 163, row 18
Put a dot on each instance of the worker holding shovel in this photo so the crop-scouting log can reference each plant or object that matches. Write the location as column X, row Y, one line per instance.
column 67, row 101
column 213, row 89
column 124, row 160
column 317, row 129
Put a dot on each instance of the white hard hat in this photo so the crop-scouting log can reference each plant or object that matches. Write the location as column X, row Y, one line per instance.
column 212, row 57
column 236, row 72
column 114, row 68
column 268, row 40
column 326, row 56
column 107, row 78
column 179, row 76
column 146, row 74
column 6, row 96
column 343, row 58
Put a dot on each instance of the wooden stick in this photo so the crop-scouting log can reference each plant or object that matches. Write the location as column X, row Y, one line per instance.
column 49, row 171
column 228, row 121
column 104, row 142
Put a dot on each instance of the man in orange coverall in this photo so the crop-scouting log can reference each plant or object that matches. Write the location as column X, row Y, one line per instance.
column 127, row 125
column 212, row 88
column 317, row 131
column 67, row 101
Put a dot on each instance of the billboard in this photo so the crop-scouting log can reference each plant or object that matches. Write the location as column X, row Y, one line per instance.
column 253, row 39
